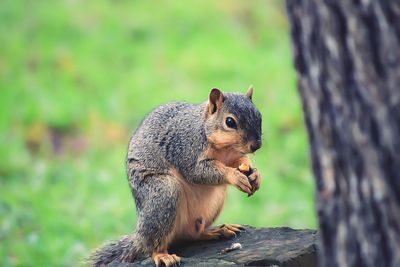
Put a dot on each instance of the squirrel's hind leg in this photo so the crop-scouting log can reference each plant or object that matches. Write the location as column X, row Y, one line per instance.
column 159, row 199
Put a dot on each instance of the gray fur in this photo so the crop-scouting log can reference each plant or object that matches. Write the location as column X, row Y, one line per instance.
column 248, row 115
column 173, row 135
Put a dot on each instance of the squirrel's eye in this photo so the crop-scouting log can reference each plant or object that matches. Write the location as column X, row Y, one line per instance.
column 230, row 122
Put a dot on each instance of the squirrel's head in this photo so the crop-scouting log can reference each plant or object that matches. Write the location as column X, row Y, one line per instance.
column 233, row 121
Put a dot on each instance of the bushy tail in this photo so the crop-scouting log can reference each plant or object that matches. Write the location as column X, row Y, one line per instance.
column 126, row 249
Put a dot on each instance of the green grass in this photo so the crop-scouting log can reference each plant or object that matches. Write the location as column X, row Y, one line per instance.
column 76, row 78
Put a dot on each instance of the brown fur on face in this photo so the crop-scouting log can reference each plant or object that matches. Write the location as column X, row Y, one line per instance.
column 229, row 157
column 228, row 148
column 222, row 139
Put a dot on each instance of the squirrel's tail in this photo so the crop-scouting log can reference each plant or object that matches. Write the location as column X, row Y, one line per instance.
column 126, row 249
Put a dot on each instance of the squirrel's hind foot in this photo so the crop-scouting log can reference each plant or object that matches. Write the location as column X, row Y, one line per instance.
column 224, row 231
column 169, row 260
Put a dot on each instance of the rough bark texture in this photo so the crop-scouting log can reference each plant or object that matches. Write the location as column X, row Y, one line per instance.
column 347, row 55
column 260, row 247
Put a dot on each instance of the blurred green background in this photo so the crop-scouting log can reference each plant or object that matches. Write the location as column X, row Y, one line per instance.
column 77, row 77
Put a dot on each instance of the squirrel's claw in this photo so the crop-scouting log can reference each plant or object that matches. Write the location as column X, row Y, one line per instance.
column 177, row 259
column 237, row 228
column 224, row 231
column 255, row 180
column 169, row 260
column 227, row 233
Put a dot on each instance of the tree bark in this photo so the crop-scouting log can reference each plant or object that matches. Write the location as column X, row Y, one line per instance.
column 270, row 247
column 347, row 55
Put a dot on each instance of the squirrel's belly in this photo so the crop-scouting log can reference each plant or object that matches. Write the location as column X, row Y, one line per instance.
column 199, row 207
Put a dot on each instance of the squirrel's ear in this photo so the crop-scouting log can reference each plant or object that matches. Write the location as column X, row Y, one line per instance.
column 250, row 92
column 215, row 100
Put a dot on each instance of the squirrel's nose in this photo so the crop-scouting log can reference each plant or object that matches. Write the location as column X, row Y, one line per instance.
column 255, row 145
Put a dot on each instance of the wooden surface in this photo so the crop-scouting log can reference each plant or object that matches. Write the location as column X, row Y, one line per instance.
column 260, row 247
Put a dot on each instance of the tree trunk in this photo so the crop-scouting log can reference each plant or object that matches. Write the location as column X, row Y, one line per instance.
column 347, row 56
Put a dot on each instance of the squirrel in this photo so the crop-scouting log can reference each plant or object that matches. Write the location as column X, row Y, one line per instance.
column 179, row 163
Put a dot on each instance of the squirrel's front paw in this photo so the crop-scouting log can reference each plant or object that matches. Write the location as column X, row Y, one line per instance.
column 255, row 180
column 239, row 180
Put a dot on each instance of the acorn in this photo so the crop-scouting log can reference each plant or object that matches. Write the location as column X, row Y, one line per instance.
column 245, row 169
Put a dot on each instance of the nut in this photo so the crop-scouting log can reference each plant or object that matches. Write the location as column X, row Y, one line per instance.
column 244, row 167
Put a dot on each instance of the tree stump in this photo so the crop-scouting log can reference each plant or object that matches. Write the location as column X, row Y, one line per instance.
column 260, row 247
